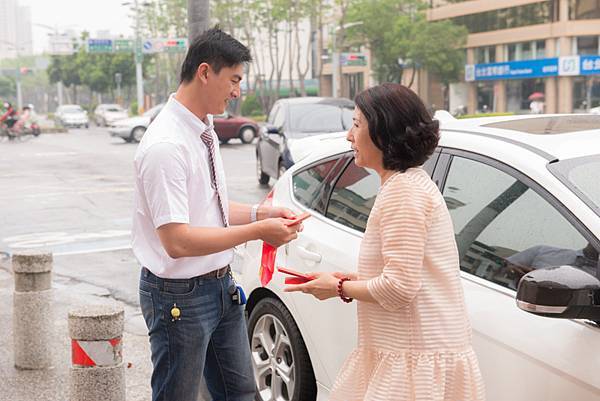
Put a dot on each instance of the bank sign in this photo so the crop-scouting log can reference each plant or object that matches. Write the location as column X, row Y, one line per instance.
column 545, row 67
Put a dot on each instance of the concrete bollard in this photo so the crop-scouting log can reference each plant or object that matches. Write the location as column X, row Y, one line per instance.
column 97, row 371
column 32, row 315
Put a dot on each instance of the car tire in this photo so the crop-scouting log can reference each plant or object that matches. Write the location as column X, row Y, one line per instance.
column 87, row 126
column 269, row 319
column 137, row 133
column 263, row 178
column 247, row 134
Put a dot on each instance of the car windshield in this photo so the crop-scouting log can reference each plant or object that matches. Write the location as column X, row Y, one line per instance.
column 581, row 175
column 318, row 117
column 114, row 109
column 72, row 110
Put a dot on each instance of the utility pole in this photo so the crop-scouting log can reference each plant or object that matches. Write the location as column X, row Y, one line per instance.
column 198, row 18
column 139, row 78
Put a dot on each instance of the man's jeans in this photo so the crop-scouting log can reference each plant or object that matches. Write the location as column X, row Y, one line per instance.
column 210, row 336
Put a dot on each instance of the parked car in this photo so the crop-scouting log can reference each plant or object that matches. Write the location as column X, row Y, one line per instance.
column 229, row 126
column 107, row 114
column 293, row 119
column 132, row 129
column 595, row 110
column 72, row 115
column 517, row 187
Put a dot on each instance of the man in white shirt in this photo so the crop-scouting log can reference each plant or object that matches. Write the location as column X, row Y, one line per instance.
column 184, row 229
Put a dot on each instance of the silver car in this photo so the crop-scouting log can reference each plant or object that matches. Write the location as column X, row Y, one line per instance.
column 132, row 129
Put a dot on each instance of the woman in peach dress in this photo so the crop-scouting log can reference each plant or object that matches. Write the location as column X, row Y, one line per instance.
column 414, row 336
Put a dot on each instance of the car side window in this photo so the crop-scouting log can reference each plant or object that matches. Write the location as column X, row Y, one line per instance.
column 505, row 229
column 353, row 197
column 279, row 118
column 307, row 184
column 272, row 114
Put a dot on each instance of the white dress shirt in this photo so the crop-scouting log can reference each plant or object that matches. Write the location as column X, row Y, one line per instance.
column 173, row 185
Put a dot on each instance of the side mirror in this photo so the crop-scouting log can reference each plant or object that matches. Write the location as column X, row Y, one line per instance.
column 562, row 292
column 269, row 129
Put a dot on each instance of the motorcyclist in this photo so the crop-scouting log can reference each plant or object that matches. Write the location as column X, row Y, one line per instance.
column 10, row 115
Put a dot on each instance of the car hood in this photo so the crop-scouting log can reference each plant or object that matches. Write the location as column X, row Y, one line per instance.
column 114, row 115
column 134, row 121
column 303, row 147
column 74, row 116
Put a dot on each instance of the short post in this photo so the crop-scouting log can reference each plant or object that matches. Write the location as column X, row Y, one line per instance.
column 32, row 315
column 97, row 371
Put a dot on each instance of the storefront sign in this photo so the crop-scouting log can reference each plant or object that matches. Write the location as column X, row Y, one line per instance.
column 350, row 59
column 545, row 67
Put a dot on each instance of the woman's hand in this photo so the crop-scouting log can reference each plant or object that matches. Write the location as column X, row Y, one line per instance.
column 324, row 286
column 351, row 276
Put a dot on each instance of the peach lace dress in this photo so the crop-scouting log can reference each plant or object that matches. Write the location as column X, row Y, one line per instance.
column 414, row 344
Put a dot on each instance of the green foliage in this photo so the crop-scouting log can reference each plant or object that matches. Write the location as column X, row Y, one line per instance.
column 251, row 106
column 405, row 34
column 8, row 88
column 133, row 108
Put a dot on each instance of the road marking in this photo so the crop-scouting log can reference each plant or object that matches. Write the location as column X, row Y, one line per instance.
column 47, row 239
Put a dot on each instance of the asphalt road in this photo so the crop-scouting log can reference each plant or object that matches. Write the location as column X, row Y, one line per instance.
column 73, row 192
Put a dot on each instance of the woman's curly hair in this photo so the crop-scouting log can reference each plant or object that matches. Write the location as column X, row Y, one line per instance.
column 399, row 125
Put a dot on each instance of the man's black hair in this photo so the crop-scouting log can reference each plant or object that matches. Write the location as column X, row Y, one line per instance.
column 215, row 48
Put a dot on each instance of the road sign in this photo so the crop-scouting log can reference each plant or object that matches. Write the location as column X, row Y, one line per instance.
column 356, row 59
column 100, row 46
column 150, row 46
column 178, row 45
column 123, row 45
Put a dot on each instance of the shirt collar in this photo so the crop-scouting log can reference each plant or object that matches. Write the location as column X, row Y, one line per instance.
column 196, row 125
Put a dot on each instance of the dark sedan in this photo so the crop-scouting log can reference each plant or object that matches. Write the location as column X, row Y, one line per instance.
column 229, row 126
column 292, row 119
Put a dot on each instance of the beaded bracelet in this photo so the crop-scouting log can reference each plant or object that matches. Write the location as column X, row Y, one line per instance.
column 340, row 291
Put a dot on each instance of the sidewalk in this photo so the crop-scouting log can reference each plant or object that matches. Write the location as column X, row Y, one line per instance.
column 53, row 384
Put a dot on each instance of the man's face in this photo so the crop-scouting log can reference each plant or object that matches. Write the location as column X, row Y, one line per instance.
column 223, row 86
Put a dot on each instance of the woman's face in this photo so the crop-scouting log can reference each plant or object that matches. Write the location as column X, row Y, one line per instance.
column 366, row 154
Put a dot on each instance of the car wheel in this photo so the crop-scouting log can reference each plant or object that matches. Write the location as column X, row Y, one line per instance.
column 247, row 134
column 282, row 367
column 281, row 170
column 263, row 179
column 87, row 126
column 137, row 133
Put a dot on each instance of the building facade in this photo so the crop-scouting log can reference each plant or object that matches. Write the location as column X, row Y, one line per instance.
column 520, row 50
column 15, row 29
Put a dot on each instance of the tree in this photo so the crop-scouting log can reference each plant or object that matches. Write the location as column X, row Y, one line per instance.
column 8, row 88
column 198, row 17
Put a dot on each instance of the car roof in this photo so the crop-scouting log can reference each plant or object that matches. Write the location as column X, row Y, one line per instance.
column 559, row 136
column 318, row 100
column 552, row 146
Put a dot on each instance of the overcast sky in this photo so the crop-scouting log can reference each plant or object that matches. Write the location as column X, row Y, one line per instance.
column 90, row 15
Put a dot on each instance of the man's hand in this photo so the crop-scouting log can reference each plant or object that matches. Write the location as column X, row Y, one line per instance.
column 275, row 232
column 280, row 212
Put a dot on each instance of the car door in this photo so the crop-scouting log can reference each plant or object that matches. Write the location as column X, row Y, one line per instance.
column 225, row 126
column 330, row 242
column 501, row 219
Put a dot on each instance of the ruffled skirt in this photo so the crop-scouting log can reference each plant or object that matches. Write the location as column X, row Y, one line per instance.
column 373, row 375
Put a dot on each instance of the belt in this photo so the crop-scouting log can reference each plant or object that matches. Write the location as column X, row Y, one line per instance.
column 218, row 273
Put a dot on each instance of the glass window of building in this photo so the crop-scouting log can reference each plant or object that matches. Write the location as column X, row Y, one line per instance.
column 587, row 45
column 485, row 97
column 526, row 50
column 586, row 93
column 584, row 9
column 507, row 18
column 485, row 55
column 518, row 92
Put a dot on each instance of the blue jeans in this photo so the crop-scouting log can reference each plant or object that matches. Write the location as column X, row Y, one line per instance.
column 210, row 337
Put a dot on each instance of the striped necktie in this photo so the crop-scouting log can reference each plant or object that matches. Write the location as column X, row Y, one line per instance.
column 209, row 141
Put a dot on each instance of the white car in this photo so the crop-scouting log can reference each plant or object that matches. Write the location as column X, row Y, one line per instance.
column 107, row 114
column 72, row 115
column 132, row 129
column 514, row 186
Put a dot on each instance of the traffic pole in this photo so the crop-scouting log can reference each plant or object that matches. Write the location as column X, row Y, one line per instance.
column 32, row 315
column 97, row 371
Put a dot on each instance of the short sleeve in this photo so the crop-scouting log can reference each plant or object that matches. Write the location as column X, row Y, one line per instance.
column 405, row 211
column 164, row 174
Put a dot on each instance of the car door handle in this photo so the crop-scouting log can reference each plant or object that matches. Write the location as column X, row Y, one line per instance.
column 309, row 255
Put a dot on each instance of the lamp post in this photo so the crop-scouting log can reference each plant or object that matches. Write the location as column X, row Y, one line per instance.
column 139, row 78
column 336, row 57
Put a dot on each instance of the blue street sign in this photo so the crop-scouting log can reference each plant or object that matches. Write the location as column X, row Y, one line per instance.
column 545, row 67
